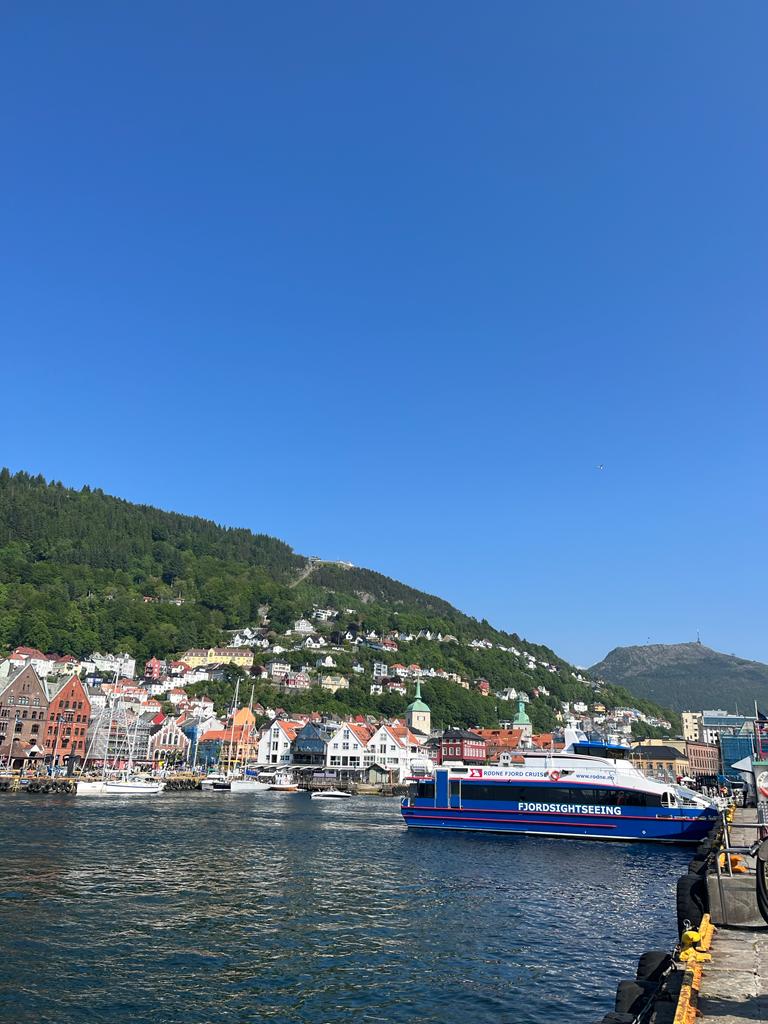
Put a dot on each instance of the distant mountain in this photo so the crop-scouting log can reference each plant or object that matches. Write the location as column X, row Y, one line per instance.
column 686, row 676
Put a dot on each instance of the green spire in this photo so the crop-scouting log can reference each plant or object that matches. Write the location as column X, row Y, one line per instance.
column 418, row 704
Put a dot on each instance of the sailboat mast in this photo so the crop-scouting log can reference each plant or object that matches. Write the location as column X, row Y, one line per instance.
column 232, row 732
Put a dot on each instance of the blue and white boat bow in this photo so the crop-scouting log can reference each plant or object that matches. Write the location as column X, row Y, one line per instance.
column 587, row 791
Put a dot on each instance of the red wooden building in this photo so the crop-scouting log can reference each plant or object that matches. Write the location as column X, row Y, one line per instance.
column 461, row 745
column 69, row 712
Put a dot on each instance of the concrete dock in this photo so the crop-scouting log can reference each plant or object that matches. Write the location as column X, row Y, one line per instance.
column 734, row 986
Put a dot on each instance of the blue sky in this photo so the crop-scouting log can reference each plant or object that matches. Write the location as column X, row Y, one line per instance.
column 390, row 281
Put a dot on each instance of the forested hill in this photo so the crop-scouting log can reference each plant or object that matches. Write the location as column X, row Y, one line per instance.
column 76, row 565
column 81, row 571
column 687, row 676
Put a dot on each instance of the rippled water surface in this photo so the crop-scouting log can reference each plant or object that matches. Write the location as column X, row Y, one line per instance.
column 205, row 908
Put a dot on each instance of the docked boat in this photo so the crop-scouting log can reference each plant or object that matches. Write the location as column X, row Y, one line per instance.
column 587, row 791
column 330, row 794
column 216, row 781
column 282, row 782
column 248, row 785
column 128, row 785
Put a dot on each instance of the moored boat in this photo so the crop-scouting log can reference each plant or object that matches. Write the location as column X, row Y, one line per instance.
column 585, row 791
column 216, row 781
column 127, row 785
column 330, row 794
column 281, row 782
column 248, row 785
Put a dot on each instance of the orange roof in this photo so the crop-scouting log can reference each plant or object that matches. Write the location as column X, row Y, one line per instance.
column 546, row 740
column 362, row 732
column 501, row 739
column 403, row 735
column 239, row 735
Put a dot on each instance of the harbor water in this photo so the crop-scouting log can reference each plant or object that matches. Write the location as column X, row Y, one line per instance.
column 206, row 908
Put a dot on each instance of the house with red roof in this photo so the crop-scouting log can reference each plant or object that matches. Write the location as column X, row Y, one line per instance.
column 346, row 747
column 396, row 686
column 167, row 743
column 69, row 713
column 23, row 713
column 276, row 740
column 393, row 747
column 499, row 741
column 43, row 664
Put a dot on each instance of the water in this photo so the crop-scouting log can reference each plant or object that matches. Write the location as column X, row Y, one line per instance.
column 206, row 908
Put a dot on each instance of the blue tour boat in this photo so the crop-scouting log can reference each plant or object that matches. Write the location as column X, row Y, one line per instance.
column 587, row 791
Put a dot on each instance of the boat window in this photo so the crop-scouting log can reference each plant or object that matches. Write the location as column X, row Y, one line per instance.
column 615, row 753
column 668, row 800
column 455, row 787
column 585, row 795
column 425, row 790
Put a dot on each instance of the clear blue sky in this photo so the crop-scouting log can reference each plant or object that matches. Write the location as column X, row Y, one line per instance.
column 390, row 281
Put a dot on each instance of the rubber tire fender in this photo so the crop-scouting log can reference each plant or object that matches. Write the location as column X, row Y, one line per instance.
column 692, row 901
column 633, row 996
column 653, row 965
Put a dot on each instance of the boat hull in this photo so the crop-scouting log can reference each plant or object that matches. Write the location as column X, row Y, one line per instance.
column 119, row 788
column 639, row 826
column 248, row 786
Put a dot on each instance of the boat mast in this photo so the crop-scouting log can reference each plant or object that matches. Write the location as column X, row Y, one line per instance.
column 232, row 732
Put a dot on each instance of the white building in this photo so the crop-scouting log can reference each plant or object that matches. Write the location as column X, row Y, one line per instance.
column 394, row 748
column 346, row 747
column 278, row 669
column 324, row 614
column 275, row 742
column 122, row 664
column 303, row 626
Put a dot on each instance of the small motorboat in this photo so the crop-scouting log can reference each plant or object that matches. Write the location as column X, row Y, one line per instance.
column 216, row 781
column 330, row 794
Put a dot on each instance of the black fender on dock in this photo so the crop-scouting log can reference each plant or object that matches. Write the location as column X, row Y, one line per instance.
column 692, row 901
column 654, row 964
column 634, row 996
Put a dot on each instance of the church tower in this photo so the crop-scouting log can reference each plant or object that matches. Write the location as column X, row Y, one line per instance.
column 523, row 723
column 418, row 716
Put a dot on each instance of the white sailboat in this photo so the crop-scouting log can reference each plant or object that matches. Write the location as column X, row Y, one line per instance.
column 122, row 782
